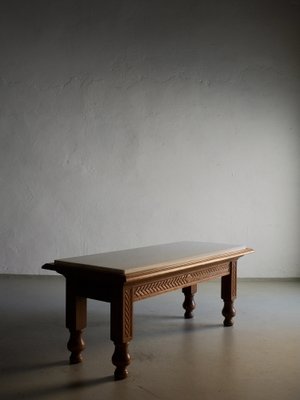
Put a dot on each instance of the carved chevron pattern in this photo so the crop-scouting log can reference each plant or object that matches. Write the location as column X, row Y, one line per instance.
column 167, row 284
column 128, row 314
column 233, row 278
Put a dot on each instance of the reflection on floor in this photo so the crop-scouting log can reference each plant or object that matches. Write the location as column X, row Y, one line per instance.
column 172, row 358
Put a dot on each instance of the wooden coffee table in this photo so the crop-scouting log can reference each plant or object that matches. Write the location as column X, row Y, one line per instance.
column 123, row 277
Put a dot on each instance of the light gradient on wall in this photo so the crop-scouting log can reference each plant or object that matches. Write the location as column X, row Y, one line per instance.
column 128, row 123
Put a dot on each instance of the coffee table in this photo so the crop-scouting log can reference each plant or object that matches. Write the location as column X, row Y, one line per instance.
column 123, row 277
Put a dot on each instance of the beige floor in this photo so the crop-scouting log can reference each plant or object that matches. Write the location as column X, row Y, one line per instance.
column 172, row 358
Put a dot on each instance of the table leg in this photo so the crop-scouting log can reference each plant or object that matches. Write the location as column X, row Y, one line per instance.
column 75, row 322
column 228, row 294
column 121, row 331
column 189, row 303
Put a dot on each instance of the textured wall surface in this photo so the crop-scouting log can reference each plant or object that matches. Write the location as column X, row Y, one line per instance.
column 129, row 123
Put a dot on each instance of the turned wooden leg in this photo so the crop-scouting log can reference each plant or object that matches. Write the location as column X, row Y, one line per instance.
column 75, row 345
column 228, row 294
column 228, row 312
column 189, row 304
column 121, row 359
column 121, row 331
column 75, row 321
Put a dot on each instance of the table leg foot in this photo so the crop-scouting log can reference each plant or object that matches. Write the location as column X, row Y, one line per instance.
column 189, row 304
column 228, row 312
column 76, row 345
column 228, row 293
column 121, row 359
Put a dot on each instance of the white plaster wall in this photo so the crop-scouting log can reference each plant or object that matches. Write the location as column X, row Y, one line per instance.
column 130, row 123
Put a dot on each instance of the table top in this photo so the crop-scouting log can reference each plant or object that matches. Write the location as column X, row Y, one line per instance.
column 164, row 256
